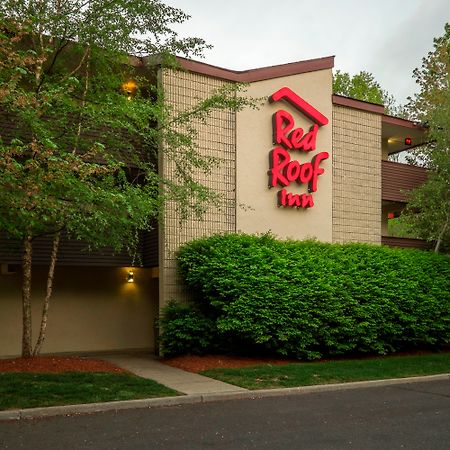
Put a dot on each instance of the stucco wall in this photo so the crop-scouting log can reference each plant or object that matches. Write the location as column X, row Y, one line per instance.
column 356, row 175
column 93, row 309
column 216, row 138
column 255, row 141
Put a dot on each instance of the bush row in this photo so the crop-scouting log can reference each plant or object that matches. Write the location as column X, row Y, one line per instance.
column 307, row 299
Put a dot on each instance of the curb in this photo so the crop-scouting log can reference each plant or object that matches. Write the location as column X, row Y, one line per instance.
column 90, row 408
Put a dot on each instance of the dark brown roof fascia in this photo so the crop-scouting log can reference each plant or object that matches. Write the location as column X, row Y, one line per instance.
column 263, row 73
column 358, row 104
column 402, row 122
column 378, row 109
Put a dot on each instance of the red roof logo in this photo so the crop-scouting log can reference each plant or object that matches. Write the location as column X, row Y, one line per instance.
column 302, row 105
column 289, row 139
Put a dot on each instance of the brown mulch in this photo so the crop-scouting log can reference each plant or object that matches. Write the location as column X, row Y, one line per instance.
column 192, row 363
column 55, row 364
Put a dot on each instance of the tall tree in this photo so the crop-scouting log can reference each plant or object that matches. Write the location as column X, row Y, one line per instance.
column 363, row 86
column 428, row 210
column 80, row 151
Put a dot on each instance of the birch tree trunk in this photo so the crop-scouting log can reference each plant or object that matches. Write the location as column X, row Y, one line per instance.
column 48, row 294
column 26, row 297
column 441, row 235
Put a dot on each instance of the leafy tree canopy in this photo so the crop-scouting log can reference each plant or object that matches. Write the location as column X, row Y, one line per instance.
column 78, row 146
column 363, row 86
column 78, row 155
column 428, row 211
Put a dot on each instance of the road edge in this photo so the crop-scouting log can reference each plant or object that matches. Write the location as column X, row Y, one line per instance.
column 91, row 408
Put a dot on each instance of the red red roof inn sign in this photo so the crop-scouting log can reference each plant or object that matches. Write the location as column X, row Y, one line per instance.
column 283, row 169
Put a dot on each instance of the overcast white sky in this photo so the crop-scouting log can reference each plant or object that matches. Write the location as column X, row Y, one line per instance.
column 385, row 37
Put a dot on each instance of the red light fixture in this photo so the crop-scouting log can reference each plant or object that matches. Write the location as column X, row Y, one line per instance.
column 391, row 215
column 408, row 141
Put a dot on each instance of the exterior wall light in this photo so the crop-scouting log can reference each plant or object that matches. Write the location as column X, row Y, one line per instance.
column 129, row 88
column 130, row 276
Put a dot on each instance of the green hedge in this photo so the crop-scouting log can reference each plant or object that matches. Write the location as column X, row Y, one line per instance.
column 185, row 330
column 309, row 299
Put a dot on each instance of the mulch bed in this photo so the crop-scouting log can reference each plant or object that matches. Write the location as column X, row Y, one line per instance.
column 54, row 364
column 192, row 363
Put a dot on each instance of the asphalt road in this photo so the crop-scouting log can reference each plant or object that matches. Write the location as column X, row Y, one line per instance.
column 408, row 416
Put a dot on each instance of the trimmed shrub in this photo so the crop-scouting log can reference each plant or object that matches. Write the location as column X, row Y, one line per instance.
column 309, row 299
column 186, row 330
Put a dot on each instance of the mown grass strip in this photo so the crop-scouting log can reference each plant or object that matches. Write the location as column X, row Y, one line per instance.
column 307, row 374
column 28, row 390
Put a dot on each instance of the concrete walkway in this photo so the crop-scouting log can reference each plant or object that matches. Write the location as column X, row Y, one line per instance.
column 148, row 366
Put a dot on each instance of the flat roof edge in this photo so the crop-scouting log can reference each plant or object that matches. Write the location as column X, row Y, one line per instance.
column 392, row 120
column 293, row 68
column 259, row 74
column 377, row 109
column 358, row 104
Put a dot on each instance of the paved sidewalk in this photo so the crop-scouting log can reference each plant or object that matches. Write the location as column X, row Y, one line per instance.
column 148, row 366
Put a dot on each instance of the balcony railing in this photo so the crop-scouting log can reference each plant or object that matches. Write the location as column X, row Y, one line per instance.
column 397, row 178
column 392, row 241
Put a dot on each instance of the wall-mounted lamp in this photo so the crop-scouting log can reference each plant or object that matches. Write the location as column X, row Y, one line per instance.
column 130, row 276
column 399, row 140
column 130, row 88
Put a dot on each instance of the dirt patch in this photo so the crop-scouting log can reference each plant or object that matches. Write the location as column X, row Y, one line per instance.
column 192, row 363
column 54, row 364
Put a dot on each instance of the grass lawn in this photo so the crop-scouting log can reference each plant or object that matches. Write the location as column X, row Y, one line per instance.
column 29, row 390
column 306, row 374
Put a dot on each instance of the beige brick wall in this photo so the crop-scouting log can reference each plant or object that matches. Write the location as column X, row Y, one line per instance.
column 356, row 175
column 217, row 138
